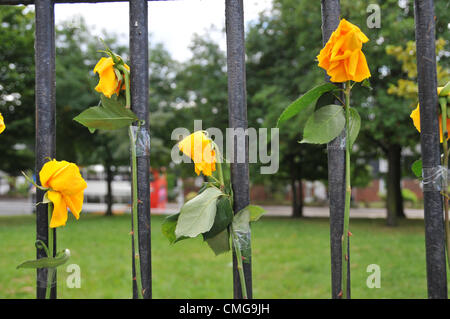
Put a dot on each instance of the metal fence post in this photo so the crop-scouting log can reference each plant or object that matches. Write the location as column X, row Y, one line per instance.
column 45, row 121
column 336, row 168
column 429, row 140
column 139, row 103
column 237, row 114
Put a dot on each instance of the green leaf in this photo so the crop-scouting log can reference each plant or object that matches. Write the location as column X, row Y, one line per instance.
column 416, row 167
column 168, row 228
column 224, row 216
column 324, row 125
column 445, row 90
column 255, row 212
column 113, row 102
column 220, row 243
column 355, row 125
column 304, row 103
column 366, row 84
column 46, row 262
column 197, row 215
column 111, row 115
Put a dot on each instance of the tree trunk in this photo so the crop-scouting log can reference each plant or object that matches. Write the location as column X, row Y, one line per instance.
column 109, row 196
column 300, row 197
column 297, row 199
column 394, row 198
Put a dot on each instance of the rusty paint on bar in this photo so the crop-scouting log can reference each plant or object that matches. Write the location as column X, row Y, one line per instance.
column 45, row 121
column 139, row 102
column 429, row 141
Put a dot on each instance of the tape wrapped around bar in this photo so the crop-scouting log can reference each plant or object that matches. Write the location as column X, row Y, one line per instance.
column 142, row 138
column 243, row 241
column 434, row 178
column 339, row 145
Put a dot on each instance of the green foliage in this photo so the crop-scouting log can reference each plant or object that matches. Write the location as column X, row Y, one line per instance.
column 305, row 104
column 220, row 243
column 406, row 55
column 112, row 115
column 17, row 88
column 197, row 215
column 354, row 125
column 46, row 262
column 224, row 216
column 416, row 167
column 324, row 125
column 409, row 195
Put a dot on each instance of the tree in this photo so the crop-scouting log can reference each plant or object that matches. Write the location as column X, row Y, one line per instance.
column 386, row 125
column 17, row 89
column 280, row 67
column 282, row 46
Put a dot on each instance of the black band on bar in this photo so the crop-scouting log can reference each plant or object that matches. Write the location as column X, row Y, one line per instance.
column 237, row 115
column 45, row 122
column 429, row 141
column 336, row 168
column 139, row 79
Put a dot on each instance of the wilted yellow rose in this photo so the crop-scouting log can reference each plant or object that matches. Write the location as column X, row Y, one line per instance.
column 66, row 189
column 342, row 57
column 2, row 124
column 415, row 115
column 199, row 148
column 109, row 84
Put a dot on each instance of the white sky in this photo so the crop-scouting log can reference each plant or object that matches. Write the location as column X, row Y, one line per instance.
column 171, row 22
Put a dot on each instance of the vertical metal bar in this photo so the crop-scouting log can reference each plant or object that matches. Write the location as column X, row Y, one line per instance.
column 139, row 102
column 45, row 120
column 237, row 114
column 336, row 168
column 429, row 140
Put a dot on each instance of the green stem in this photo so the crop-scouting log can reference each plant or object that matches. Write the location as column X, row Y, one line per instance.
column 51, row 253
column 219, row 164
column 127, row 85
column 443, row 104
column 240, row 266
column 135, row 233
column 348, row 192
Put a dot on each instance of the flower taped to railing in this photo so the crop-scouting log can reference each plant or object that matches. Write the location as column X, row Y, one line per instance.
column 112, row 113
column 64, row 189
column 343, row 60
column 210, row 212
column 436, row 178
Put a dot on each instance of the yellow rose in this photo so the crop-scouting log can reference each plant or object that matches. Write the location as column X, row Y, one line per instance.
column 108, row 84
column 342, row 57
column 2, row 124
column 66, row 189
column 199, row 148
column 415, row 115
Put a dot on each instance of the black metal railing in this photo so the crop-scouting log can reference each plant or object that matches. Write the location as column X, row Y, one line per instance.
column 46, row 145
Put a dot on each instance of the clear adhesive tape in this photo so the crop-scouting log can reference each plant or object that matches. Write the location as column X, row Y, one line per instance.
column 434, row 178
column 340, row 146
column 142, row 138
column 243, row 241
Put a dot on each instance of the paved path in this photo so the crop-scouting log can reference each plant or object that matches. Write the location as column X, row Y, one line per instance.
column 13, row 207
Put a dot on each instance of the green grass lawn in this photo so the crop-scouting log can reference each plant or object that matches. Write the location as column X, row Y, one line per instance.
column 291, row 259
